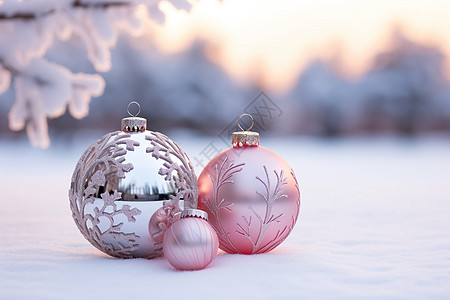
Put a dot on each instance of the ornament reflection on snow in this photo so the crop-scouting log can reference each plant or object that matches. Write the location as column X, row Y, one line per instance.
column 251, row 196
column 125, row 178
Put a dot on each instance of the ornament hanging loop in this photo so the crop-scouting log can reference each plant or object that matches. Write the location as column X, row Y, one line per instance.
column 245, row 138
column 133, row 123
column 239, row 122
column 138, row 107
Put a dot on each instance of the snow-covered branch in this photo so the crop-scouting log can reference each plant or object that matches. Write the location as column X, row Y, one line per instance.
column 44, row 89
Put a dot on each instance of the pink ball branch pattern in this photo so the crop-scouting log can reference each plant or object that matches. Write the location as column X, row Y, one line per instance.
column 294, row 219
column 256, row 221
column 269, row 218
column 223, row 176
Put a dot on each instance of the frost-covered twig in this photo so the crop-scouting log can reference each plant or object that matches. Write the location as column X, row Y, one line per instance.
column 44, row 89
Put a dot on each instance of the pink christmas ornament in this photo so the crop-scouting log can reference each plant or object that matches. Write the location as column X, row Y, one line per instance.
column 190, row 243
column 251, row 196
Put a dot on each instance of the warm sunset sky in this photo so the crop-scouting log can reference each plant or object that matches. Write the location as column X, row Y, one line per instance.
column 277, row 38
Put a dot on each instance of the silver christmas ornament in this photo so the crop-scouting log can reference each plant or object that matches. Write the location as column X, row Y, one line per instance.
column 124, row 180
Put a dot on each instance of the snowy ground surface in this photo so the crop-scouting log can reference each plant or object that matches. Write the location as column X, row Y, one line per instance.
column 374, row 224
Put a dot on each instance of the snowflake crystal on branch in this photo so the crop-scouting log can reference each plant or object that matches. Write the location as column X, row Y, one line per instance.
column 44, row 89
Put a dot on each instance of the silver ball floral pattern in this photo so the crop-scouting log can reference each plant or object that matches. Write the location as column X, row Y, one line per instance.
column 175, row 159
column 103, row 157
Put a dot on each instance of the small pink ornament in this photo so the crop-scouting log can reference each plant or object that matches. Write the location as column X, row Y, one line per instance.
column 251, row 196
column 190, row 243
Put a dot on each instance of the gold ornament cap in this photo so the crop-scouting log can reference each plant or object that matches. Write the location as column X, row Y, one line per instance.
column 245, row 138
column 196, row 213
column 133, row 123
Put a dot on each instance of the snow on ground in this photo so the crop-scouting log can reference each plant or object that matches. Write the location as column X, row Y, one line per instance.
column 374, row 224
